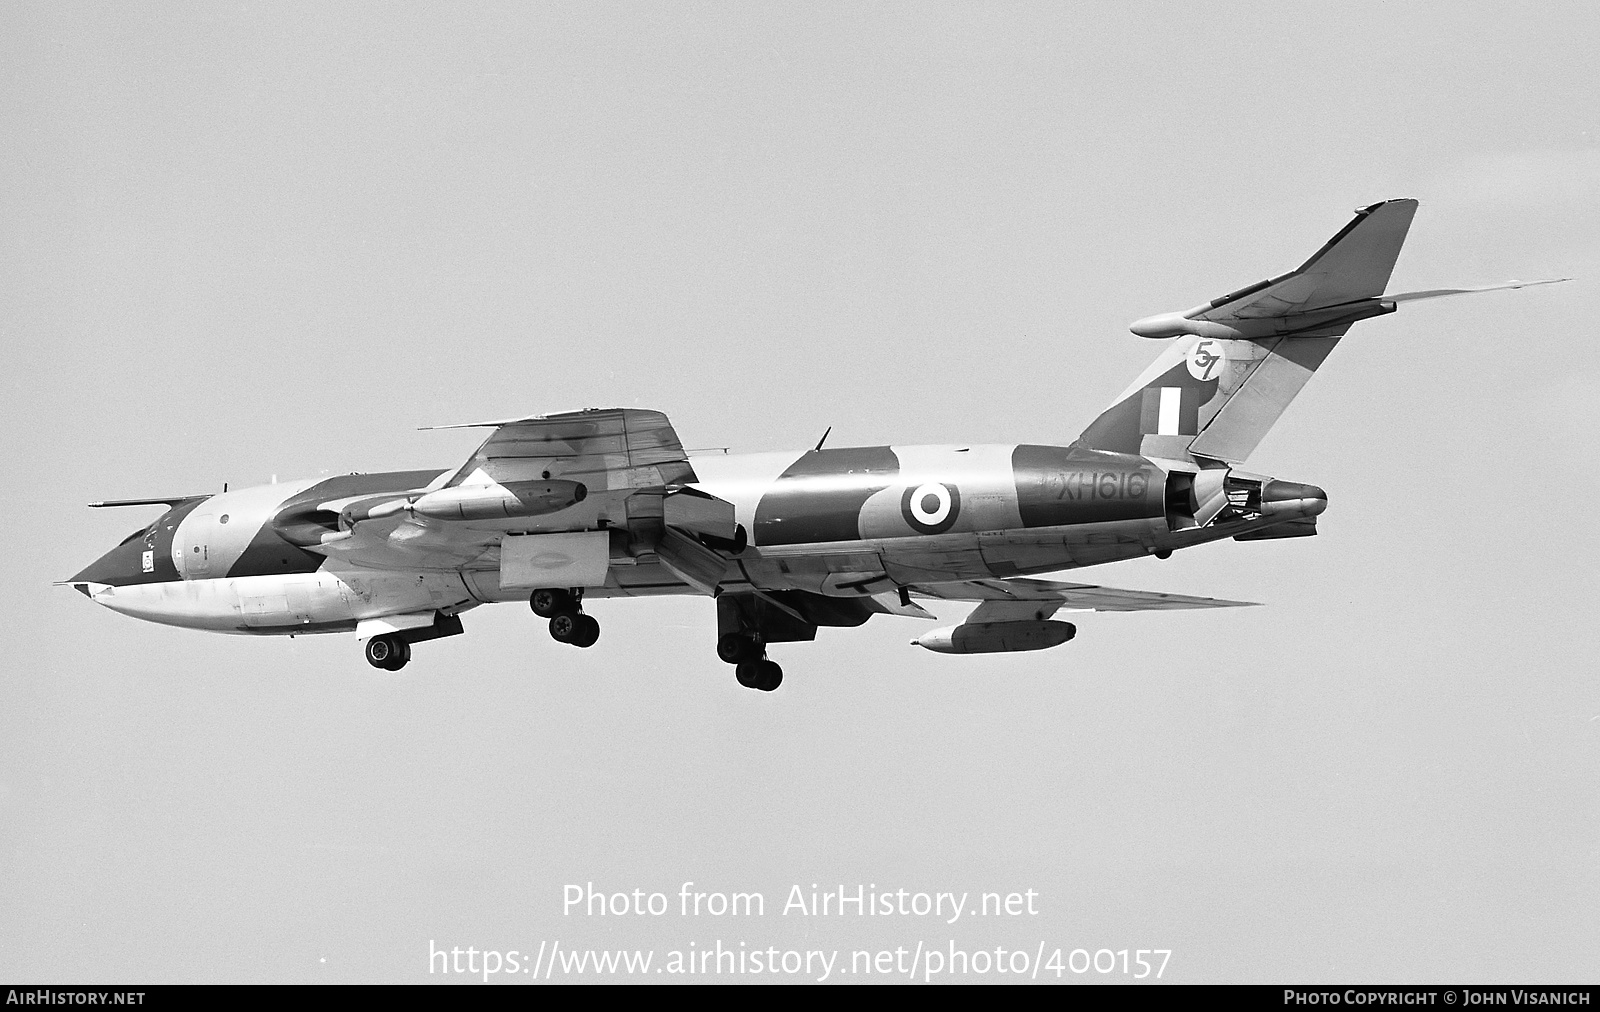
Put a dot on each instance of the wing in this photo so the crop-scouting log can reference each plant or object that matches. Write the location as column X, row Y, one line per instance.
column 573, row 471
column 604, row 448
column 1009, row 600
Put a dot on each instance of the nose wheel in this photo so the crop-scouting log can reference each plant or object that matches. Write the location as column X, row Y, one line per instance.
column 388, row 652
column 568, row 623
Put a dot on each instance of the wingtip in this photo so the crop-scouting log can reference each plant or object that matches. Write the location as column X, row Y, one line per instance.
column 575, row 412
column 1382, row 203
column 173, row 500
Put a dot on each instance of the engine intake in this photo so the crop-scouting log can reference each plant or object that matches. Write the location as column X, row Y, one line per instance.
column 305, row 525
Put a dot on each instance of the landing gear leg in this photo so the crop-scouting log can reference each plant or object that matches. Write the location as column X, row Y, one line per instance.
column 741, row 643
column 546, row 602
column 388, row 652
column 738, row 647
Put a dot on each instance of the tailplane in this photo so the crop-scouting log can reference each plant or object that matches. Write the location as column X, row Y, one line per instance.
column 1239, row 360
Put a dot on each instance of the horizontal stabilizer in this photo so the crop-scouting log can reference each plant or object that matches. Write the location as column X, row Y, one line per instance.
column 1352, row 267
column 1439, row 293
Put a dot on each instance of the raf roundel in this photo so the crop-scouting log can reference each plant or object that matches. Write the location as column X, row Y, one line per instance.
column 931, row 508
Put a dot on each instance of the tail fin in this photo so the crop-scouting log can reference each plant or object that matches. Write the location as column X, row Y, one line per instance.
column 1239, row 360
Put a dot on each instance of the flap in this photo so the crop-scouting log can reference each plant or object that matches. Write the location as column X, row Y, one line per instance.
column 690, row 509
column 1076, row 596
column 572, row 559
column 692, row 562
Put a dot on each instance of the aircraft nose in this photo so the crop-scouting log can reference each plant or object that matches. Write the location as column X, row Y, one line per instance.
column 1292, row 496
column 86, row 588
column 129, row 562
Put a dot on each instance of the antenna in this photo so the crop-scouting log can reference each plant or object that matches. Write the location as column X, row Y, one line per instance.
column 824, row 438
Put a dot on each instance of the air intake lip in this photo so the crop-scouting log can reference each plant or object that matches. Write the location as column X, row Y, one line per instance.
column 305, row 525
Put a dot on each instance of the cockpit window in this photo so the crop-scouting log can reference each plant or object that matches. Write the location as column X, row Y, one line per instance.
column 148, row 533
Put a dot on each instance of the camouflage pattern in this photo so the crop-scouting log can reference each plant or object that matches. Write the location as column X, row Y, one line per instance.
column 787, row 542
column 839, row 523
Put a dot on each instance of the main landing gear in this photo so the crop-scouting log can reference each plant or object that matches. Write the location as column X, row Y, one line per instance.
column 389, row 652
column 749, row 654
column 568, row 623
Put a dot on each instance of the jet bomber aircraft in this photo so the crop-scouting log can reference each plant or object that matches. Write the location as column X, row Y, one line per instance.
column 558, row 509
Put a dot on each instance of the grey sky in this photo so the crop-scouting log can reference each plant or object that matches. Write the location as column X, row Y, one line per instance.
column 275, row 240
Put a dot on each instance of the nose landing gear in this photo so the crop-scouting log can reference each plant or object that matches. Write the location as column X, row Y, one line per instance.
column 564, row 609
column 392, row 650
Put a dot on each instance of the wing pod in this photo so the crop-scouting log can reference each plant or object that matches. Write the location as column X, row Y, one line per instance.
column 484, row 502
column 996, row 627
column 996, row 637
column 497, row 502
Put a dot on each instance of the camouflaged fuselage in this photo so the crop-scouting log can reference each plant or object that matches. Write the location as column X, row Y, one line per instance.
column 844, row 522
column 827, row 520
